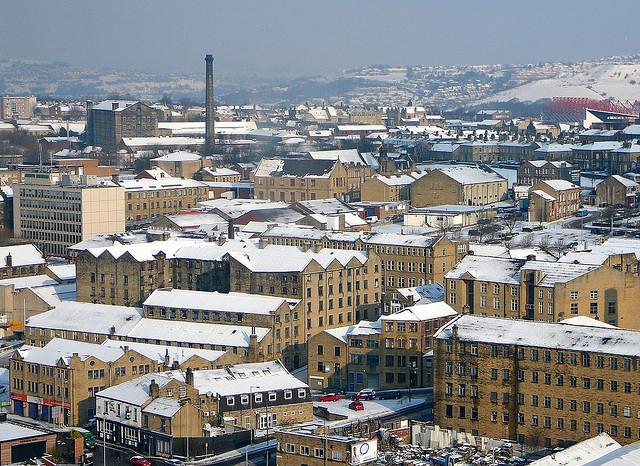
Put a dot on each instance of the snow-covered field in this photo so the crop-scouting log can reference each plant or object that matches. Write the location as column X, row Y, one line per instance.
column 619, row 81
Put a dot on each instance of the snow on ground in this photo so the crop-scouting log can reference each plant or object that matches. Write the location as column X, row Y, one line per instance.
column 372, row 408
column 620, row 81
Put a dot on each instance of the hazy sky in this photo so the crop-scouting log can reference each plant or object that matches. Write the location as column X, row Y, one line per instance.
column 289, row 37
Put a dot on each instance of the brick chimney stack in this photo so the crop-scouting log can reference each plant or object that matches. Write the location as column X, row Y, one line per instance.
column 210, row 127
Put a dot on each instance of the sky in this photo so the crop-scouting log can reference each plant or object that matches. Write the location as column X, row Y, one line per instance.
column 286, row 38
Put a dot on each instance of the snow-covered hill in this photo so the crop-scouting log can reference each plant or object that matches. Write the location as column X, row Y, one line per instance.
column 617, row 81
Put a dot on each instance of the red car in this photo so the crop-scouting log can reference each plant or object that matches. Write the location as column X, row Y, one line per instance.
column 139, row 461
column 330, row 397
column 356, row 406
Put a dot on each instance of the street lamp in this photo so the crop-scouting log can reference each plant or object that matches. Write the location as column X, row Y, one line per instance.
column 246, row 449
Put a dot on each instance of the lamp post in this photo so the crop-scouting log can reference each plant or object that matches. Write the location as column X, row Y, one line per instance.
column 246, row 449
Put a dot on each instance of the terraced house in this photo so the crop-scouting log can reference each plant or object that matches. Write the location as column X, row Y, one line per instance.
column 539, row 383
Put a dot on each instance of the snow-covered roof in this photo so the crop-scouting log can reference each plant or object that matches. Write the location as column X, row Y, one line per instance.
column 214, row 301
column 197, row 333
column 362, row 328
column 470, row 175
column 165, row 407
column 10, row 431
column 396, row 180
column 346, row 156
column 177, row 354
column 170, row 182
column 625, row 181
column 21, row 255
column 488, row 269
column 423, row 294
column 560, row 185
column 287, row 259
column 59, row 348
column 550, row 335
column 162, row 141
column 221, row 171
column 586, row 452
column 88, row 317
column 557, row 272
column 422, row 312
column 543, row 195
column 232, row 380
column 146, row 251
column 30, row 281
column 586, row 321
column 114, row 105
column 180, row 156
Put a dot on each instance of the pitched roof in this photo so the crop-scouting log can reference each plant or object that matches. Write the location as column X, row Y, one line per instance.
column 295, row 167
column 543, row 335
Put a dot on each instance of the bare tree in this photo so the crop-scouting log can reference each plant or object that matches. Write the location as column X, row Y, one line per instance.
column 509, row 221
column 487, row 227
column 526, row 241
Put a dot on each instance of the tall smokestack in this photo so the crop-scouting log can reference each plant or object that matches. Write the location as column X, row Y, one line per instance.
column 210, row 139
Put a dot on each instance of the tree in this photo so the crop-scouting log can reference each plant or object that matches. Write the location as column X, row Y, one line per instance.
column 487, row 227
column 509, row 221
column 526, row 241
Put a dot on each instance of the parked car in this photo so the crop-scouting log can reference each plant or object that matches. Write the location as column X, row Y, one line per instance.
column 364, row 394
column 330, row 397
column 139, row 461
column 356, row 406
column 173, row 462
column 390, row 395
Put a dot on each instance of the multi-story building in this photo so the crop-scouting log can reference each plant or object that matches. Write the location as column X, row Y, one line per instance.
column 393, row 188
column 617, row 190
column 405, row 340
column 345, row 358
column 150, row 198
column 538, row 383
column 358, row 169
column 548, row 291
column 407, row 260
column 58, row 382
column 219, row 175
column 293, row 180
column 55, row 211
column 149, row 412
column 95, row 323
column 233, row 309
column 552, row 200
column 111, row 120
column 531, row 172
column 311, row 447
column 125, row 274
column 386, row 354
column 457, row 184
column 17, row 108
column 334, row 287
column 181, row 164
